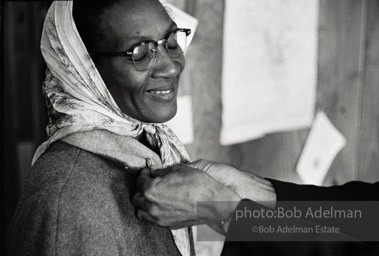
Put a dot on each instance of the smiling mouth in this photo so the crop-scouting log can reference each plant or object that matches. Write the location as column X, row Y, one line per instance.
column 160, row 92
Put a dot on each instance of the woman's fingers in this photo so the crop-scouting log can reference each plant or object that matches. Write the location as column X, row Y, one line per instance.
column 143, row 179
column 145, row 216
column 139, row 201
column 147, row 211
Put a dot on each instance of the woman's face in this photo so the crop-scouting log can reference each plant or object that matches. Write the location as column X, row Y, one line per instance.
column 150, row 95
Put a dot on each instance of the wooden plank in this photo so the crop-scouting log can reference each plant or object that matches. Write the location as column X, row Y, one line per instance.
column 273, row 156
column 181, row 4
column 369, row 125
column 22, row 42
column 338, row 92
column 190, row 6
column 24, row 112
column 203, row 74
column 37, row 74
column 12, row 183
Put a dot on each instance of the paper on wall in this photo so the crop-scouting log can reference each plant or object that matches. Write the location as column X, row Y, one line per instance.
column 323, row 144
column 182, row 124
column 207, row 248
column 269, row 67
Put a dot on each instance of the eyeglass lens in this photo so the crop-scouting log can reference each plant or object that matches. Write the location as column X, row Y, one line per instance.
column 144, row 56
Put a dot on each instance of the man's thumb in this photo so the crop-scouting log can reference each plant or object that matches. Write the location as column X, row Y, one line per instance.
column 199, row 164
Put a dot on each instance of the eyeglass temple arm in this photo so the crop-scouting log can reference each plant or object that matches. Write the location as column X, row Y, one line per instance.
column 92, row 53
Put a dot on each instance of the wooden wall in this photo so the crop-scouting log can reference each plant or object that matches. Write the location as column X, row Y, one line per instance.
column 24, row 110
column 347, row 90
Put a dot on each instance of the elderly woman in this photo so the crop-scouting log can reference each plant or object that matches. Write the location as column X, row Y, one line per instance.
column 112, row 80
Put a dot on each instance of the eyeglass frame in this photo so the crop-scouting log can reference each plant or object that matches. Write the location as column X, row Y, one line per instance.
column 129, row 52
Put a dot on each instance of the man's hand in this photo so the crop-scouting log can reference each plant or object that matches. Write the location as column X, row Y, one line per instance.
column 168, row 197
column 245, row 184
column 223, row 173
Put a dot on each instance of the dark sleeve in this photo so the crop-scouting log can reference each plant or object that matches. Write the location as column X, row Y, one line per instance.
column 294, row 247
column 351, row 191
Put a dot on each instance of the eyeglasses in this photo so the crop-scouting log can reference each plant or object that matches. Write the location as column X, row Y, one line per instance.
column 144, row 54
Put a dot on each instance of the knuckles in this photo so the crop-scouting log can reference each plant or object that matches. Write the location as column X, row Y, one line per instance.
column 140, row 215
column 152, row 190
column 161, row 223
column 153, row 210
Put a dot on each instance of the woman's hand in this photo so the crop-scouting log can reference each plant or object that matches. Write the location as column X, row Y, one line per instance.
column 171, row 198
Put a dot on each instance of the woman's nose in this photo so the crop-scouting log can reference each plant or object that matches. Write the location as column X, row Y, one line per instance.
column 166, row 66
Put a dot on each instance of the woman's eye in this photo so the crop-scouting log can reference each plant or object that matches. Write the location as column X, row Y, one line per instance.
column 172, row 42
column 140, row 52
column 172, row 45
column 139, row 57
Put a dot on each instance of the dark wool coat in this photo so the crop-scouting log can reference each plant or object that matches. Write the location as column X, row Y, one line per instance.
column 76, row 203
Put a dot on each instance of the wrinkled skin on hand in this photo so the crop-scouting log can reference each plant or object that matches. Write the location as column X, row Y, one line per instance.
column 223, row 173
column 168, row 197
column 245, row 184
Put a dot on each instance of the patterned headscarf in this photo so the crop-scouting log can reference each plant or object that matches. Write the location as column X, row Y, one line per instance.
column 77, row 98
